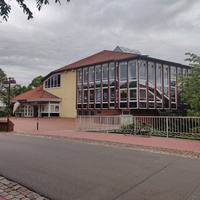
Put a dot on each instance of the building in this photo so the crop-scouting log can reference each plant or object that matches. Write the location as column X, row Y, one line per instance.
column 116, row 82
column 37, row 103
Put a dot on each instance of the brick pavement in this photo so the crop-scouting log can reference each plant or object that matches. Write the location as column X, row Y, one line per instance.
column 10, row 190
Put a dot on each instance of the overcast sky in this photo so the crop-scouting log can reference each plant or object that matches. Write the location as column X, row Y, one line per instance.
column 61, row 34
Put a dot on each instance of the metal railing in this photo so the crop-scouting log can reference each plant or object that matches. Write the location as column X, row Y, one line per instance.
column 164, row 126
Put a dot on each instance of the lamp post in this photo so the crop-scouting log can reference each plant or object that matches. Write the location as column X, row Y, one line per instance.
column 7, row 84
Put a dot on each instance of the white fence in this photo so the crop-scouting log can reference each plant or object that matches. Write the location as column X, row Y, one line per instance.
column 165, row 126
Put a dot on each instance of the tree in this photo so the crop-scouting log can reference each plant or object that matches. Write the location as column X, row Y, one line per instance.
column 37, row 81
column 18, row 89
column 2, row 89
column 190, row 86
column 5, row 7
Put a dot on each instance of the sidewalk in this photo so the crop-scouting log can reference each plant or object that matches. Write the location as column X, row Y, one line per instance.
column 64, row 127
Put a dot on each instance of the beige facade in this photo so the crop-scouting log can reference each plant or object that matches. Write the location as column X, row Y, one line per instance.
column 67, row 93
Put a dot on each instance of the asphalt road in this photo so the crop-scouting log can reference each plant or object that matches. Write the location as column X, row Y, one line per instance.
column 62, row 170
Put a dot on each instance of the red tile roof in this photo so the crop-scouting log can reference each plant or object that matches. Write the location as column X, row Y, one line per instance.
column 36, row 93
column 103, row 56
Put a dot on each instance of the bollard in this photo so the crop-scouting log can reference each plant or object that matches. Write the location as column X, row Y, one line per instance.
column 37, row 125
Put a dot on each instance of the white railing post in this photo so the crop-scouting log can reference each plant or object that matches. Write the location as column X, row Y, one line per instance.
column 167, row 126
column 107, row 125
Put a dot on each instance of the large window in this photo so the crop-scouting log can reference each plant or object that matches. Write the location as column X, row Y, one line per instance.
column 54, row 108
column 123, row 71
column 79, row 87
column 132, row 70
column 91, row 74
column 105, row 72
column 79, row 76
column 159, row 77
column 112, row 71
column 85, row 75
column 166, row 75
column 123, row 84
column 98, row 72
column 173, row 86
column 166, row 86
column 53, row 81
column 151, row 74
column 151, row 85
column 142, row 70
column 132, row 83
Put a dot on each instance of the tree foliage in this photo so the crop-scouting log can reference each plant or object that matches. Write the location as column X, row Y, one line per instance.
column 19, row 89
column 190, row 86
column 37, row 81
column 5, row 7
column 2, row 89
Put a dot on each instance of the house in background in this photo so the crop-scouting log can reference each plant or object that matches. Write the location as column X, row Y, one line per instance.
column 116, row 82
column 37, row 103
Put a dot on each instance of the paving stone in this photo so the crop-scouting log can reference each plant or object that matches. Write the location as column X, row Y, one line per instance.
column 26, row 192
column 5, row 182
column 22, row 189
column 19, row 196
column 7, row 190
column 33, row 195
column 11, row 185
column 3, row 187
column 9, row 197
column 40, row 198
column 4, row 194
column 14, row 193
column 16, row 187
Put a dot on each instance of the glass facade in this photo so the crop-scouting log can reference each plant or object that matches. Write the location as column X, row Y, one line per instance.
column 126, row 85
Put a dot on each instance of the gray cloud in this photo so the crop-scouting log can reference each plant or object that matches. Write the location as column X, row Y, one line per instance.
column 59, row 35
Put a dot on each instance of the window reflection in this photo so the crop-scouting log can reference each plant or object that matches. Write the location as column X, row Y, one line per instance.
column 91, row 74
column 151, row 73
column 98, row 73
column 85, row 75
column 132, row 70
column 105, row 72
column 123, row 95
column 112, row 71
column 123, row 71
column 142, row 69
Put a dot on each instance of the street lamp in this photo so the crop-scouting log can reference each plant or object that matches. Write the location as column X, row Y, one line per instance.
column 7, row 84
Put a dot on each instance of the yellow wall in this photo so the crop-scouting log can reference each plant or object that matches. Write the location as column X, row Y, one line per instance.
column 67, row 92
